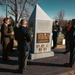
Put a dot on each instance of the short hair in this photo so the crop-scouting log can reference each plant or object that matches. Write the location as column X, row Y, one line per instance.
column 21, row 22
column 56, row 21
column 5, row 19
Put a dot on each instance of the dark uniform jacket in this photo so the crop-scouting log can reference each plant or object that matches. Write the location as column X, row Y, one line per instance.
column 23, row 36
column 72, row 36
column 56, row 30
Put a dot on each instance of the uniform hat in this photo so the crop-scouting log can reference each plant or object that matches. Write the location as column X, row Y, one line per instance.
column 56, row 21
column 73, row 21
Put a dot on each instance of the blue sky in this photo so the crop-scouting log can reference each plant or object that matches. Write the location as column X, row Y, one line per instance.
column 2, row 11
column 52, row 7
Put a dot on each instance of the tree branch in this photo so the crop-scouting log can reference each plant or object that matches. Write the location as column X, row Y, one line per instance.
column 11, row 8
column 11, row 13
column 22, row 10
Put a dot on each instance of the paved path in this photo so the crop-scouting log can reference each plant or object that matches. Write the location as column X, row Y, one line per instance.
column 46, row 66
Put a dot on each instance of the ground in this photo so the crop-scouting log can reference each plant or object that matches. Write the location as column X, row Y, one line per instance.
column 45, row 66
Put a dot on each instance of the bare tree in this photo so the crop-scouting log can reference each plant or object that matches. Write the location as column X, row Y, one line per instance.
column 19, row 8
column 60, row 17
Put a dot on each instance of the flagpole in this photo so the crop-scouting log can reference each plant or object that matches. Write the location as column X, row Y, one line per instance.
column 6, row 8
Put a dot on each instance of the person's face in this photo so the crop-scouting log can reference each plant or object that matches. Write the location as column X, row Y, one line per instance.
column 25, row 23
column 7, row 21
column 56, row 23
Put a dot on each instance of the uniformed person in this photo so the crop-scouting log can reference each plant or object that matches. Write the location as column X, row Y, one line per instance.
column 55, row 30
column 24, row 40
column 72, row 44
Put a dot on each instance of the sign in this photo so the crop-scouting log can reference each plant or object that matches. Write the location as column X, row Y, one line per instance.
column 43, row 37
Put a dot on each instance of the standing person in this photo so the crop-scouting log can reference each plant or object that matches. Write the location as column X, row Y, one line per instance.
column 67, row 39
column 72, row 44
column 55, row 30
column 23, row 39
column 5, row 38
